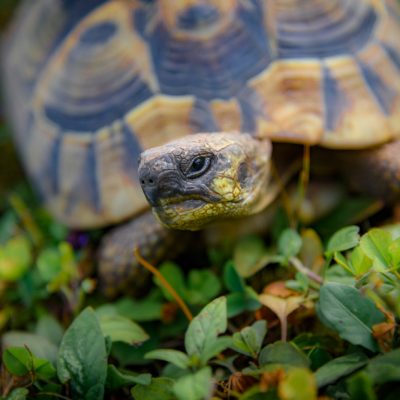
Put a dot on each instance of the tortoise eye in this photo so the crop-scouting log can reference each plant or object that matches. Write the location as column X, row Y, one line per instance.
column 198, row 166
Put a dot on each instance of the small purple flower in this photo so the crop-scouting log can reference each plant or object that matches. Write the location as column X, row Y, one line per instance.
column 78, row 239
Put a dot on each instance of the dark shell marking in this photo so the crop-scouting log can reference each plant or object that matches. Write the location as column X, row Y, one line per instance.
column 92, row 83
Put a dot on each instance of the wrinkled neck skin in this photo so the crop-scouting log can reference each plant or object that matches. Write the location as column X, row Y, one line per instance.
column 236, row 183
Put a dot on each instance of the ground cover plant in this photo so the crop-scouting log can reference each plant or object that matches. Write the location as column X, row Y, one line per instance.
column 310, row 310
column 304, row 312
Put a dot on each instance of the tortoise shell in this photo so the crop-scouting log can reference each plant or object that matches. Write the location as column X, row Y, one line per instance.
column 91, row 84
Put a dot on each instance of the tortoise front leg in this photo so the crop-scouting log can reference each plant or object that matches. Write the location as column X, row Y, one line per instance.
column 118, row 269
column 375, row 172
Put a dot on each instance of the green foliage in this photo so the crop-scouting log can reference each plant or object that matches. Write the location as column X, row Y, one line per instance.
column 290, row 316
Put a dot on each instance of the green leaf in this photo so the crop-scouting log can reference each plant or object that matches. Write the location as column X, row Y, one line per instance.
column 375, row 244
column 122, row 329
column 385, row 368
column 174, row 276
column 249, row 340
column 233, row 281
column 250, row 255
column 39, row 346
column 239, row 302
column 215, row 347
column 18, row 394
column 197, row 386
column 394, row 251
column 359, row 261
column 298, row 384
column 203, row 286
column 49, row 264
column 49, row 328
column 176, row 357
column 345, row 310
column 339, row 367
column 283, row 353
column 15, row 258
column 117, row 379
column 158, row 389
column 205, row 327
column 18, row 360
column 344, row 239
column 82, row 358
column 289, row 243
column 360, row 387
column 140, row 310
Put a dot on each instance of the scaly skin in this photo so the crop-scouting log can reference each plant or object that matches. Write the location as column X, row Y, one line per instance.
column 233, row 182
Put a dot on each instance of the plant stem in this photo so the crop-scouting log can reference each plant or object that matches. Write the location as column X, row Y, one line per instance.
column 298, row 265
column 165, row 283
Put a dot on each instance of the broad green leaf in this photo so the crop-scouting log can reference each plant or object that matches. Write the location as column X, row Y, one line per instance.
column 203, row 286
column 176, row 357
column 117, row 379
column 344, row 239
column 214, row 348
column 375, row 244
column 360, row 387
column 39, row 346
column 250, row 255
column 345, row 310
column 289, row 243
column 283, row 353
column 82, row 358
column 205, row 327
column 158, row 389
column 197, row 386
column 18, row 394
column 249, row 340
column 122, row 329
column 339, row 367
column 385, row 368
column 15, row 258
column 298, row 384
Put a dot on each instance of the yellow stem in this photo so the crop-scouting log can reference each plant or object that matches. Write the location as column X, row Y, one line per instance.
column 165, row 283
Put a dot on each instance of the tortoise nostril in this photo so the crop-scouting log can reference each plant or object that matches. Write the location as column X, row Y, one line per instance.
column 151, row 181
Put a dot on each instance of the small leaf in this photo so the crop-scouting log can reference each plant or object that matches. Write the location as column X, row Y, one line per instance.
column 289, row 243
column 345, row 310
column 250, row 255
column 394, row 251
column 281, row 307
column 197, row 386
column 249, row 340
column 360, row 263
column 385, row 368
column 344, row 239
column 233, row 281
column 214, row 348
column 82, row 358
column 206, row 326
column 360, row 387
column 176, row 357
column 117, row 379
column 298, row 384
column 122, row 329
column 18, row 394
column 15, row 258
column 203, row 286
column 375, row 244
column 140, row 310
column 174, row 276
column 158, row 389
column 283, row 353
column 18, row 360
column 339, row 367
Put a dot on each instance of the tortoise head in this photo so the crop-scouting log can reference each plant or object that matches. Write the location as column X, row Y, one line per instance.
column 205, row 177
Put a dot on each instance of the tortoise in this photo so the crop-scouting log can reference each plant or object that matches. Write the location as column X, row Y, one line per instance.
column 197, row 91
